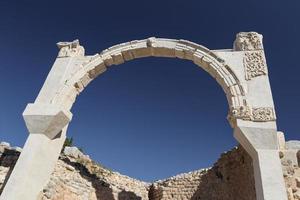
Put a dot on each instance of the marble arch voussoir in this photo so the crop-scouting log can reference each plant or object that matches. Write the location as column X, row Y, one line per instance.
column 157, row 47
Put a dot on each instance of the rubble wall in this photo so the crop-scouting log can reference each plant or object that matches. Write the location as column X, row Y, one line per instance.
column 77, row 177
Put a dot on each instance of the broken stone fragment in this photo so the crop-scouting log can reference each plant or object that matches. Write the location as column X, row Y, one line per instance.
column 5, row 144
column 298, row 182
column 290, row 194
column 70, row 168
column 73, row 152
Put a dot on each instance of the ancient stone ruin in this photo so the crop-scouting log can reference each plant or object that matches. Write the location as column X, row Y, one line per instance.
column 242, row 72
column 77, row 177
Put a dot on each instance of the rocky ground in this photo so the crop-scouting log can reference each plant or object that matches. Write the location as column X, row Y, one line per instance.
column 77, row 177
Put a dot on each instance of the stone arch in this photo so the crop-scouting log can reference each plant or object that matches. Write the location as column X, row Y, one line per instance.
column 157, row 47
column 241, row 72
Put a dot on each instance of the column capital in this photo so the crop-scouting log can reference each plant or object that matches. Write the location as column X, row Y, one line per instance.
column 248, row 41
column 70, row 49
column 47, row 119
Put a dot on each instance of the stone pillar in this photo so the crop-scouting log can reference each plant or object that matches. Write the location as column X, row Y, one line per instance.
column 33, row 167
column 47, row 123
column 262, row 145
column 47, row 126
column 255, row 125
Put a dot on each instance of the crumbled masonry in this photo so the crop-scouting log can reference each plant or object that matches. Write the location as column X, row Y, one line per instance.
column 77, row 177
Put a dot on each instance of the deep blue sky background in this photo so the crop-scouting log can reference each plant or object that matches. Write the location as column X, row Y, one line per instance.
column 148, row 118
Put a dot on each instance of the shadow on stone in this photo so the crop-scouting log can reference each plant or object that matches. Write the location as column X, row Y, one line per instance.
column 231, row 178
column 8, row 159
column 102, row 188
column 124, row 195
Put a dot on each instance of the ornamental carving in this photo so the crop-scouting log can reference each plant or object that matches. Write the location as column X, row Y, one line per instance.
column 263, row 114
column 255, row 64
column 248, row 41
column 242, row 112
column 70, row 49
column 257, row 114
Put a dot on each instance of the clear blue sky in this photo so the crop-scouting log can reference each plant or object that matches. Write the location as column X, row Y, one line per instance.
column 155, row 117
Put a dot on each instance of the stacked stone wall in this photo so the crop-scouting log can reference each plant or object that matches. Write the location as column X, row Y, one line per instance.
column 77, row 177
column 290, row 160
column 231, row 178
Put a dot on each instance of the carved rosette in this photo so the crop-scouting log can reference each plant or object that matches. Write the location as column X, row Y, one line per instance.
column 248, row 41
column 257, row 114
column 70, row 49
column 255, row 64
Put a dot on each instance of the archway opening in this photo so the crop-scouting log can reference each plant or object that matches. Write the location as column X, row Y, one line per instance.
column 152, row 118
